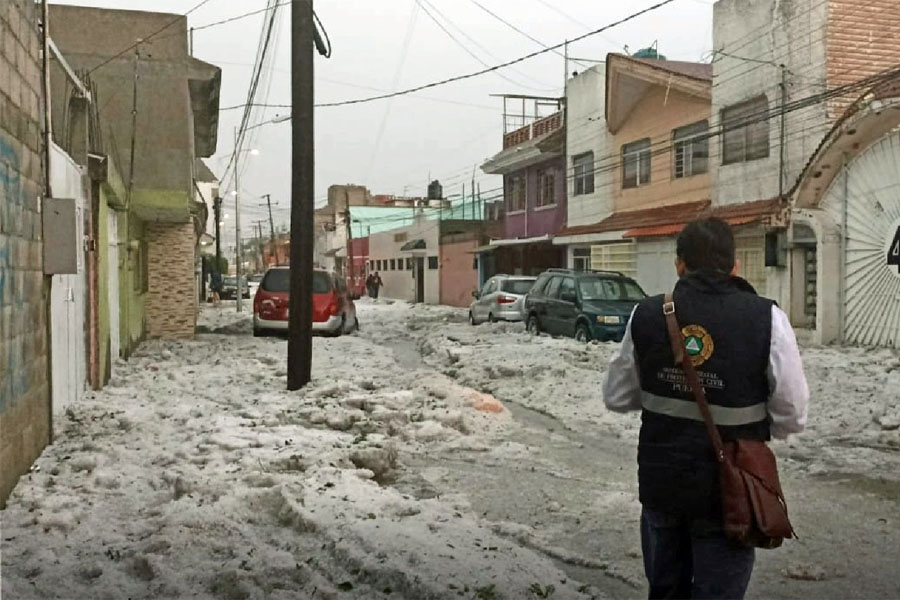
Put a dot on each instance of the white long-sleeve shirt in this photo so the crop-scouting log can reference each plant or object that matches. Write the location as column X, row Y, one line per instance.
column 788, row 401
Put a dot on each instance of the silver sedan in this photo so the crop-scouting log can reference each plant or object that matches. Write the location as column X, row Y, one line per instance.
column 500, row 299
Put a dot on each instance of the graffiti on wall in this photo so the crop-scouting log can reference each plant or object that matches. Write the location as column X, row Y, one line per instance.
column 14, row 381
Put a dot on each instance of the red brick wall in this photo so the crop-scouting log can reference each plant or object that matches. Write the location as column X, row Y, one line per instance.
column 458, row 277
column 862, row 41
column 171, row 300
column 24, row 293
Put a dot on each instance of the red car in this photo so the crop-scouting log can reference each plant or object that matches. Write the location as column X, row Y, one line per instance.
column 333, row 310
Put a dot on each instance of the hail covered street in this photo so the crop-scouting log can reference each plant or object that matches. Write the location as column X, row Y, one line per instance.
column 427, row 459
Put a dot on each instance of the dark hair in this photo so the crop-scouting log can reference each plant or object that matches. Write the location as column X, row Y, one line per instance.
column 706, row 245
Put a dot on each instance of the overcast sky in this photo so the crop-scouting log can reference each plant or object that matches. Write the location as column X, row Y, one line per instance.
column 394, row 146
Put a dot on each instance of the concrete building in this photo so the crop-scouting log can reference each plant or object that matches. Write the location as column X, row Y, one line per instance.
column 638, row 149
column 171, row 121
column 25, row 410
column 835, row 159
column 532, row 163
column 408, row 260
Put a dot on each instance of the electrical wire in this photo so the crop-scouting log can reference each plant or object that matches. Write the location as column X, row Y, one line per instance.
column 521, row 32
column 508, row 63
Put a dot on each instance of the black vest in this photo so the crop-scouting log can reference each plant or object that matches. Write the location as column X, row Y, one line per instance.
column 728, row 330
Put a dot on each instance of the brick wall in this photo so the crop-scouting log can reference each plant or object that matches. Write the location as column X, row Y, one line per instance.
column 24, row 347
column 862, row 41
column 171, row 299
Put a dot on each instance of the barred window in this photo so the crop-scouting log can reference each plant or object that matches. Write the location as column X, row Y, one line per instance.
column 691, row 145
column 745, row 131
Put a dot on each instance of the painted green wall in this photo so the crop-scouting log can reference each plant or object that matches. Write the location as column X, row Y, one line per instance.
column 131, row 302
column 103, row 286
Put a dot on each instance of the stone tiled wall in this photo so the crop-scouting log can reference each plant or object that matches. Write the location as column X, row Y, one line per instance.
column 24, row 345
column 171, row 299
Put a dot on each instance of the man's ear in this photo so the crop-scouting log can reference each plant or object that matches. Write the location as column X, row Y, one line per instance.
column 680, row 267
column 737, row 268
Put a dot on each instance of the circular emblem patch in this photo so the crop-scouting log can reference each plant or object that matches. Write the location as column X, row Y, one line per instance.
column 698, row 344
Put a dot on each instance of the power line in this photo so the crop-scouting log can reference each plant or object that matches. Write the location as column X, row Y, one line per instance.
column 149, row 37
column 500, row 66
column 520, row 31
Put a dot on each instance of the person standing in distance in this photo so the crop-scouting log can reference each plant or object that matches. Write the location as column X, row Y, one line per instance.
column 745, row 352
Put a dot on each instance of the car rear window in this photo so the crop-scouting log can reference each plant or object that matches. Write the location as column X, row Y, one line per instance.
column 517, row 286
column 279, row 280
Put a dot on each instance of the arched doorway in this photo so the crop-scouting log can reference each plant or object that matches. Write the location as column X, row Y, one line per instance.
column 864, row 201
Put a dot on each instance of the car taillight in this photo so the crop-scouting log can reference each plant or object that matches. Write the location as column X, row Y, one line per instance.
column 505, row 300
column 333, row 305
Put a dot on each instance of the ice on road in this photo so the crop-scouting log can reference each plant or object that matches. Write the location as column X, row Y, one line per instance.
column 427, row 459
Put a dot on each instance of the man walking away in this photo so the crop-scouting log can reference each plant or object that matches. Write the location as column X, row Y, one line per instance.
column 369, row 279
column 377, row 284
column 745, row 352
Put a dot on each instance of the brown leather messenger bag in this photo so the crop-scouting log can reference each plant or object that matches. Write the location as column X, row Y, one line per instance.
column 754, row 512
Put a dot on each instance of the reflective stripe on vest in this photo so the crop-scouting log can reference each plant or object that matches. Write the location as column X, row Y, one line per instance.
column 686, row 409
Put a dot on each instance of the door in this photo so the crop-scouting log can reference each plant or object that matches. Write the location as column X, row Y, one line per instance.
column 547, row 310
column 482, row 305
column 565, row 307
column 113, row 277
column 420, row 279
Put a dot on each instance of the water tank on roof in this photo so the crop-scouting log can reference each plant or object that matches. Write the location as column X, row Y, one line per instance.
column 651, row 53
column 435, row 190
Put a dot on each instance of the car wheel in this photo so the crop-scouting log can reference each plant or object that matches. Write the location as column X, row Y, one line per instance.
column 491, row 318
column 533, row 325
column 257, row 332
column 472, row 319
column 356, row 327
column 582, row 333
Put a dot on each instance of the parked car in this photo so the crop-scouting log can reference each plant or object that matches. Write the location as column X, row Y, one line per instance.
column 334, row 312
column 229, row 288
column 253, row 282
column 500, row 299
column 586, row 305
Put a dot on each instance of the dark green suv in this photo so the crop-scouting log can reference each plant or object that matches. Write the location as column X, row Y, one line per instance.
column 586, row 305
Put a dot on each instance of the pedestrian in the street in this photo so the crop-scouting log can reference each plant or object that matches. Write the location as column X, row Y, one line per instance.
column 745, row 352
column 215, row 287
column 377, row 284
column 370, row 278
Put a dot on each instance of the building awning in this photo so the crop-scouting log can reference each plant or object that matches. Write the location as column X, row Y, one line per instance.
column 338, row 252
column 204, row 82
column 413, row 245
column 667, row 230
column 495, row 244
column 648, row 217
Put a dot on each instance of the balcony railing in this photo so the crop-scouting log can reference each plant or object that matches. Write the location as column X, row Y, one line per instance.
column 534, row 130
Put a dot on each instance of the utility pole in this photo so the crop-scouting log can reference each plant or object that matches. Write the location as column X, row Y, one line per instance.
column 260, row 259
column 299, row 363
column 217, row 210
column 237, row 219
column 268, row 198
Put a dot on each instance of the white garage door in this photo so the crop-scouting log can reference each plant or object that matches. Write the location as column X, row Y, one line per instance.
column 872, row 267
column 750, row 252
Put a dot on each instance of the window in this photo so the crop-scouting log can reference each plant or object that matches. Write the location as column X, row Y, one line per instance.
column 636, row 164
column 517, row 286
column 517, row 193
column 489, row 288
column 546, row 188
column 745, row 132
column 432, row 262
column 409, row 264
column 400, row 237
column 584, row 173
column 553, row 287
column 567, row 287
column 393, row 265
column 691, row 144
column 620, row 257
column 610, row 289
column 581, row 259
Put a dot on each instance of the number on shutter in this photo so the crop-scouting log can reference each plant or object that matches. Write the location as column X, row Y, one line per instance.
column 893, row 257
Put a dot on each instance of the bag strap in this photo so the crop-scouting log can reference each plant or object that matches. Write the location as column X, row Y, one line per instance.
column 684, row 361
